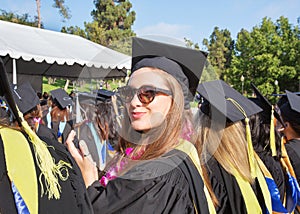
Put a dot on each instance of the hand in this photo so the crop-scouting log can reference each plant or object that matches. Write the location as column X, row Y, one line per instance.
column 83, row 159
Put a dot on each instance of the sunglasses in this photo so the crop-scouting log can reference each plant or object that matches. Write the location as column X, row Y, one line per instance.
column 146, row 94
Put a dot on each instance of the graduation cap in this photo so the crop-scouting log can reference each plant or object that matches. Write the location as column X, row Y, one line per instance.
column 61, row 97
column 105, row 95
column 262, row 102
column 185, row 64
column 48, row 168
column 290, row 111
column 25, row 97
column 267, row 115
column 283, row 98
column 226, row 100
column 231, row 104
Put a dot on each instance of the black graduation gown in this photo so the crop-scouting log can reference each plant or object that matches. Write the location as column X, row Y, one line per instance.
column 84, row 133
column 66, row 131
column 275, row 170
column 44, row 131
column 293, row 150
column 73, row 197
column 228, row 191
column 170, row 184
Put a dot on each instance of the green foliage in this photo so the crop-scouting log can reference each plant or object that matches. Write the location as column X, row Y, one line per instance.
column 23, row 19
column 220, row 48
column 114, row 18
column 74, row 30
column 63, row 9
column 266, row 55
column 111, row 25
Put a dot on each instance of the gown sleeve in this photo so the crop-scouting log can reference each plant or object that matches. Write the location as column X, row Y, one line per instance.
column 146, row 189
column 293, row 150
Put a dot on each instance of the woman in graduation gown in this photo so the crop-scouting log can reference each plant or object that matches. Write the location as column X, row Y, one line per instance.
column 266, row 140
column 290, row 112
column 37, row 175
column 228, row 157
column 155, row 170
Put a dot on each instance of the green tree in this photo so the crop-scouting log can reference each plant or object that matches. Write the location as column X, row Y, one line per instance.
column 111, row 25
column 115, row 18
column 59, row 4
column 220, row 47
column 267, row 54
column 74, row 30
column 23, row 19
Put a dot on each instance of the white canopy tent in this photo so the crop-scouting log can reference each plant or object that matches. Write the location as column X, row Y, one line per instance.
column 31, row 53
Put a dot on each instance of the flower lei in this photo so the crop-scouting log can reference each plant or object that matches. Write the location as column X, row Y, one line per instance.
column 113, row 171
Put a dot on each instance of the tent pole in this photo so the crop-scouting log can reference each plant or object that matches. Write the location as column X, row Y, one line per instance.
column 14, row 72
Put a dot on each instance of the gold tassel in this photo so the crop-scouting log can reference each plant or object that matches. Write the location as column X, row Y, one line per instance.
column 49, row 170
column 251, row 158
column 250, row 149
column 272, row 134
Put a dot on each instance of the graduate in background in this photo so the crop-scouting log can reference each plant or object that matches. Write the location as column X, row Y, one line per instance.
column 267, row 144
column 96, row 125
column 226, row 150
column 59, row 118
column 29, row 104
column 290, row 112
column 155, row 171
column 37, row 175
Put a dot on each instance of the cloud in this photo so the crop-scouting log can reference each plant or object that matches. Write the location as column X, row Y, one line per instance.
column 275, row 9
column 165, row 29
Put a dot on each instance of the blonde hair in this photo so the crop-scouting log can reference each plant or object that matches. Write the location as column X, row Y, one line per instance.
column 228, row 146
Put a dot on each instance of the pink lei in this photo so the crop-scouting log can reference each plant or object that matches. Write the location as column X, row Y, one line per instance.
column 113, row 171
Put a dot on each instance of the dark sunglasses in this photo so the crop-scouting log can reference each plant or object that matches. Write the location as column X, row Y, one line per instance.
column 146, row 94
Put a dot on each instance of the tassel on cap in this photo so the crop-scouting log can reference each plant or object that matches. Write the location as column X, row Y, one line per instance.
column 50, row 172
column 272, row 134
column 248, row 138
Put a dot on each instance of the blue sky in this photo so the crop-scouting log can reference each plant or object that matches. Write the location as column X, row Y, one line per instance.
column 194, row 19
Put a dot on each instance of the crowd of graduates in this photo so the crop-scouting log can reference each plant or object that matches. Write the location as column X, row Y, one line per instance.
column 140, row 149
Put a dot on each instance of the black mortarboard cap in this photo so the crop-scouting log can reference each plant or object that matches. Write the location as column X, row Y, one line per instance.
column 290, row 111
column 25, row 97
column 294, row 101
column 61, row 97
column 105, row 95
column 226, row 100
column 264, row 103
column 148, row 53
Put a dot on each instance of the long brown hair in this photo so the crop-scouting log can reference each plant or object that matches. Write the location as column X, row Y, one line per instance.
column 32, row 115
column 166, row 135
column 58, row 115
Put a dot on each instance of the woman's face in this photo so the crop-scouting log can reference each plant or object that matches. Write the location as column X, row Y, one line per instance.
column 146, row 116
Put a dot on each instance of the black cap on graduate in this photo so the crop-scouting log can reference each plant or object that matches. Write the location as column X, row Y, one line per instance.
column 290, row 111
column 105, row 95
column 267, row 116
column 185, row 64
column 61, row 97
column 231, row 104
column 226, row 100
column 25, row 97
column 264, row 103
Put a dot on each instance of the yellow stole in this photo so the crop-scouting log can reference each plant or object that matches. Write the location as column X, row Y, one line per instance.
column 20, row 166
column 190, row 150
column 250, row 199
